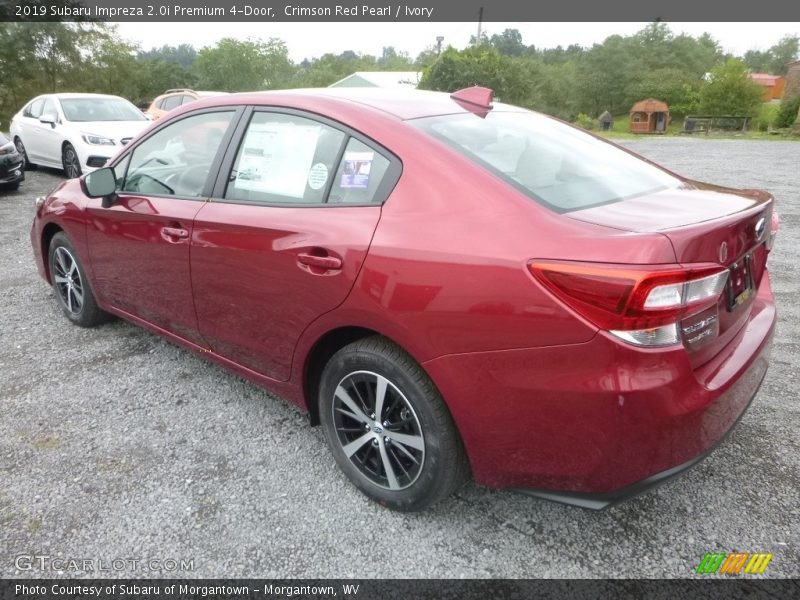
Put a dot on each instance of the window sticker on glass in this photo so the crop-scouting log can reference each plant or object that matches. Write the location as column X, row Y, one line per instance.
column 357, row 166
column 317, row 176
column 276, row 158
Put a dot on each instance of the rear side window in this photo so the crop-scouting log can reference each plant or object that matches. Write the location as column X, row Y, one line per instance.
column 293, row 159
column 553, row 163
column 359, row 175
column 171, row 102
column 284, row 159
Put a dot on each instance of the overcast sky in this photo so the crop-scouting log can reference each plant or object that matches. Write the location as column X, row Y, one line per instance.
column 307, row 40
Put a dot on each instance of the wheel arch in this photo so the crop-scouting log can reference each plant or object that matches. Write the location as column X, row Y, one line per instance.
column 318, row 356
column 49, row 231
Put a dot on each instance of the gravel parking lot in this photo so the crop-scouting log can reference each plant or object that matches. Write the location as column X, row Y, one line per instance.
column 115, row 444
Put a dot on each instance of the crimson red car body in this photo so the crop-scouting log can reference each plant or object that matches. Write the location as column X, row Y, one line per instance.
column 542, row 397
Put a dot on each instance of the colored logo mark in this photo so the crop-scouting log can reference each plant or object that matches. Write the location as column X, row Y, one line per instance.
column 734, row 563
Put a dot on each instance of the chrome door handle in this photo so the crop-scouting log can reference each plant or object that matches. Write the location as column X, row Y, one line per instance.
column 328, row 263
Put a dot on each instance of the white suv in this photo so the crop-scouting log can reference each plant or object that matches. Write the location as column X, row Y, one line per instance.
column 74, row 132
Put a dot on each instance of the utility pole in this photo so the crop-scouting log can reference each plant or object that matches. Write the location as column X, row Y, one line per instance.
column 480, row 23
column 439, row 40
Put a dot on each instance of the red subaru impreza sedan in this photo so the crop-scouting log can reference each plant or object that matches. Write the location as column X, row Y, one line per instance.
column 448, row 286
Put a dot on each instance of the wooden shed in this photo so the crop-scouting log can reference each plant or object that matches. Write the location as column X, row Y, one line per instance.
column 649, row 116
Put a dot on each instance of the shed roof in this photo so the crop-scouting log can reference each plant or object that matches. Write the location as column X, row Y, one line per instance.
column 380, row 79
column 765, row 79
column 650, row 105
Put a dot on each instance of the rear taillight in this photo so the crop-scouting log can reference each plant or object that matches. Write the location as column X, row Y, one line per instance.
column 774, row 225
column 640, row 305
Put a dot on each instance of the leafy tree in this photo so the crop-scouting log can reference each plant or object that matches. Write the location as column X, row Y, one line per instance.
column 679, row 89
column 426, row 58
column 183, row 55
column 758, row 61
column 509, row 43
column 784, row 52
column 730, row 91
column 115, row 68
column 235, row 66
column 606, row 75
column 392, row 60
column 789, row 112
column 775, row 60
column 479, row 65
column 330, row 68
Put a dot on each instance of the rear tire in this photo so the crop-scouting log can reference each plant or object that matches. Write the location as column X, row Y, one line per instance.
column 388, row 427
column 73, row 292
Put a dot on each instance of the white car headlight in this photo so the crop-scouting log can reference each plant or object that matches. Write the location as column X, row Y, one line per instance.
column 97, row 140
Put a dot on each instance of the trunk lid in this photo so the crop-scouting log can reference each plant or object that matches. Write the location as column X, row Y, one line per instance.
column 704, row 224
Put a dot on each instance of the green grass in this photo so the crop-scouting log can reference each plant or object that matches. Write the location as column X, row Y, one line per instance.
column 619, row 131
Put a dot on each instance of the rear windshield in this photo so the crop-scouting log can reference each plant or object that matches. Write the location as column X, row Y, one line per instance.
column 553, row 163
column 100, row 109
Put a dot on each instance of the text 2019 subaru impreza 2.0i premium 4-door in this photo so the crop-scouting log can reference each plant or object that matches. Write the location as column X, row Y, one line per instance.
column 450, row 287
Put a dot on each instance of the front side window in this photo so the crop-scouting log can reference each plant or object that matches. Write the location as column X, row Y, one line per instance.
column 284, row 159
column 176, row 160
column 49, row 108
column 120, row 170
column 553, row 163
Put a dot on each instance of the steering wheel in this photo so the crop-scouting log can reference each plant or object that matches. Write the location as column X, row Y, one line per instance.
column 192, row 179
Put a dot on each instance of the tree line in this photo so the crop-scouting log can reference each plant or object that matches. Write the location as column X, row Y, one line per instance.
column 691, row 74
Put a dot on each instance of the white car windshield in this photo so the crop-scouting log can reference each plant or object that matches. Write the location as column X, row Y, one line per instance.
column 551, row 162
column 100, row 109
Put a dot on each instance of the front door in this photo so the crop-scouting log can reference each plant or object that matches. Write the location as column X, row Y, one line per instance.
column 139, row 245
column 284, row 238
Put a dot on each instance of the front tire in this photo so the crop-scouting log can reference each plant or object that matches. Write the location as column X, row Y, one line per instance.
column 388, row 427
column 73, row 292
column 71, row 162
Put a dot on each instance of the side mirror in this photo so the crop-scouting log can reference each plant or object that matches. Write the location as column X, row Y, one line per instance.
column 101, row 183
column 49, row 118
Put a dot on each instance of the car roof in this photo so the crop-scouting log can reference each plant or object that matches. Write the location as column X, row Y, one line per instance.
column 402, row 104
column 67, row 95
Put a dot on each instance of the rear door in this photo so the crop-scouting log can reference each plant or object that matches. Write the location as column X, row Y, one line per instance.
column 283, row 238
column 139, row 245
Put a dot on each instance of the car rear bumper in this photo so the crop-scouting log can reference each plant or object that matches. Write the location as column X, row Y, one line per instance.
column 593, row 423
